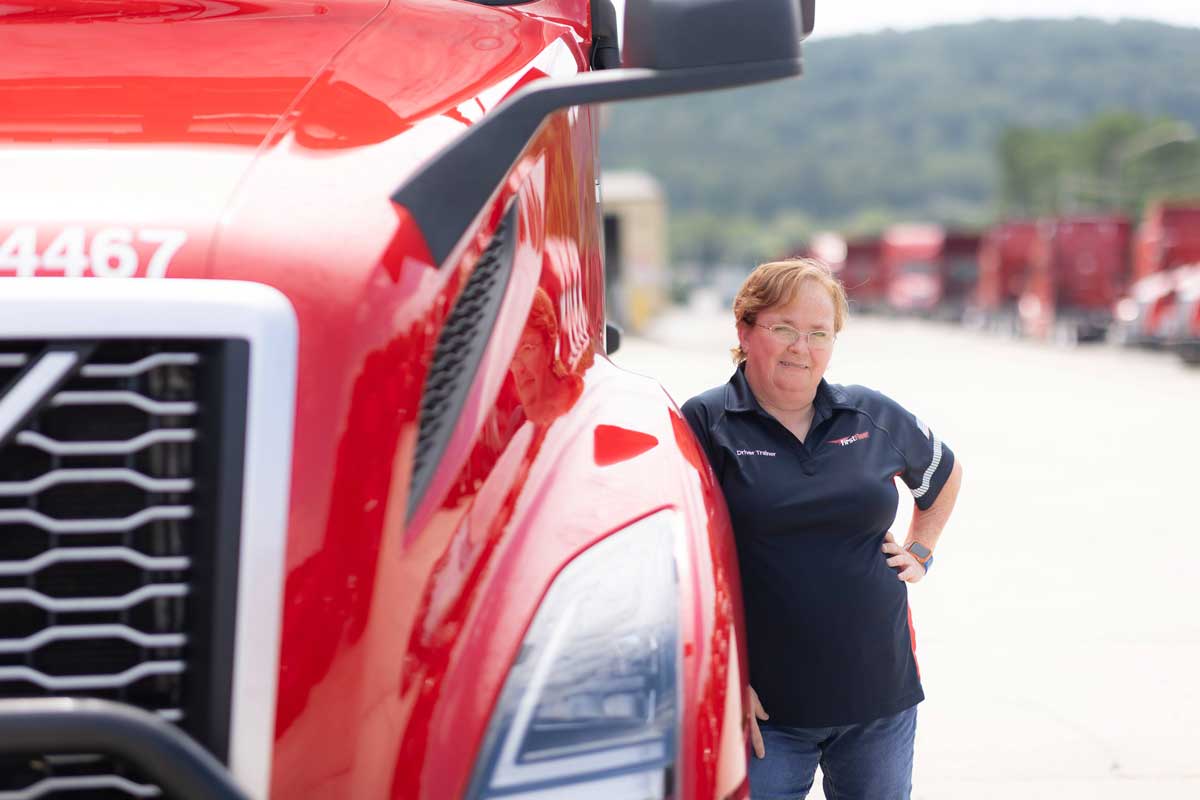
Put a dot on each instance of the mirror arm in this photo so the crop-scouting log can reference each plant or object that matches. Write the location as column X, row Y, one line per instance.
column 446, row 193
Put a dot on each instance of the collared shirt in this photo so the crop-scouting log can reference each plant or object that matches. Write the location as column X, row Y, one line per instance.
column 828, row 626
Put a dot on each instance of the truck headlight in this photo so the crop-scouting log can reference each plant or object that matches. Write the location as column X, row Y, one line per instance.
column 590, row 707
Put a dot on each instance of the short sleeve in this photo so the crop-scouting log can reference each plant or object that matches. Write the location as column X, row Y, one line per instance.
column 927, row 459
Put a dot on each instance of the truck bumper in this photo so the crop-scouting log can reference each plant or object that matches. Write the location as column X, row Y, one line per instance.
column 178, row 766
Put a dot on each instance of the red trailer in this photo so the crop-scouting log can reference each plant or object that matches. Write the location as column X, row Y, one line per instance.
column 959, row 270
column 1005, row 254
column 911, row 258
column 856, row 263
column 862, row 272
column 1080, row 267
column 1169, row 238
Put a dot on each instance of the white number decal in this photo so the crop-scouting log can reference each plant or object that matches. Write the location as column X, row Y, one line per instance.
column 19, row 252
column 168, row 242
column 67, row 252
column 112, row 253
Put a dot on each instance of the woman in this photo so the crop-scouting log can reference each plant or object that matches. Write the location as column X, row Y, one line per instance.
column 808, row 469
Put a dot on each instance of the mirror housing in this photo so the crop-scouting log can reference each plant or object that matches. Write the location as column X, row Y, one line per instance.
column 686, row 34
column 612, row 337
column 673, row 46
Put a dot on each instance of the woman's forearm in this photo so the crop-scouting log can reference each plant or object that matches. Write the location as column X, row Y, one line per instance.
column 927, row 525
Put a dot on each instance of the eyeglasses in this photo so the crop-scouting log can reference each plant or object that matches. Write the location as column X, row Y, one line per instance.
column 786, row 334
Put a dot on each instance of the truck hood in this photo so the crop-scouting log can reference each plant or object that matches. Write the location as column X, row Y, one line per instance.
column 275, row 128
column 141, row 113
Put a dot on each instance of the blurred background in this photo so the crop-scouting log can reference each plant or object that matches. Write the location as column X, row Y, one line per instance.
column 1011, row 194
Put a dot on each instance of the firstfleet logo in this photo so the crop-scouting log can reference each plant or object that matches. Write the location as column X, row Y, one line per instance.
column 849, row 440
column 755, row 453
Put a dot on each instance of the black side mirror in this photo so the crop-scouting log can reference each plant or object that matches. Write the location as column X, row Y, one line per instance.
column 691, row 34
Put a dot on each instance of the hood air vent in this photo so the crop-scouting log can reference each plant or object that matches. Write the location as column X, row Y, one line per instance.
column 458, row 352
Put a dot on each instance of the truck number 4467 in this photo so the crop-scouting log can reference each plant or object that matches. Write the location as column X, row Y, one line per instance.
column 107, row 253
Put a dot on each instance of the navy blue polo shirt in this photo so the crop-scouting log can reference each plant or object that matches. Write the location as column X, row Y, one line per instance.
column 828, row 626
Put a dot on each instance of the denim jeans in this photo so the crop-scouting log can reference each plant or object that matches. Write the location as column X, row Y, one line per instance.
column 869, row 761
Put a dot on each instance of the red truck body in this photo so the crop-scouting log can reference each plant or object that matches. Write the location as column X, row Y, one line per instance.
column 856, row 263
column 1080, row 267
column 277, row 484
column 1168, row 237
column 1185, row 329
column 1005, row 255
column 911, row 259
column 862, row 272
column 1167, row 240
column 959, row 270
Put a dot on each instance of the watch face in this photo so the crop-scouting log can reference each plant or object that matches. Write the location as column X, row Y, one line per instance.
column 920, row 551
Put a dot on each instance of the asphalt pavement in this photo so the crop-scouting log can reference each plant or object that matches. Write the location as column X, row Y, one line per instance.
column 1059, row 632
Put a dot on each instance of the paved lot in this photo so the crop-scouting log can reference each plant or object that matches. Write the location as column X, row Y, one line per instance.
column 1059, row 634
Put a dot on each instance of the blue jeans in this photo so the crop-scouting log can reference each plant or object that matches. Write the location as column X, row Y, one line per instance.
column 869, row 761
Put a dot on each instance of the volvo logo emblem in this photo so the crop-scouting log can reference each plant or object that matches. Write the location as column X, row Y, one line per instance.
column 34, row 387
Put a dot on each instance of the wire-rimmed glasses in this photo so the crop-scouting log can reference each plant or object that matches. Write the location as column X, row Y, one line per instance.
column 786, row 334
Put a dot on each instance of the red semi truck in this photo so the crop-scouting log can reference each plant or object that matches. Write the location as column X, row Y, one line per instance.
column 1185, row 331
column 930, row 271
column 1167, row 240
column 911, row 265
column 959, row 272
column 315, row 478
column 1080, row 266
column 862, row 273
column 1005, row 256
column 857, row 264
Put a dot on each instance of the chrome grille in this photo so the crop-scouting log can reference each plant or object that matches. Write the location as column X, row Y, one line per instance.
column 118, row 542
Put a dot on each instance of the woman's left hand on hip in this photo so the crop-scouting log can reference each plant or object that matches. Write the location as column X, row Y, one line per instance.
column 906, row 564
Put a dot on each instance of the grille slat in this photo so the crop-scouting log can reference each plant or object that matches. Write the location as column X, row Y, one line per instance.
column 95, row 554
column 64, row 633
column 81, row 783
column 139, row 367
column 67, row 683
column 63, row 605
column 63, row 476
column 101, row 525
column 124, row 398
column 127, row 447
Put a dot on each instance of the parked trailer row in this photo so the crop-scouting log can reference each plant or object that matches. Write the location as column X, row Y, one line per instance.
column 1068, row 279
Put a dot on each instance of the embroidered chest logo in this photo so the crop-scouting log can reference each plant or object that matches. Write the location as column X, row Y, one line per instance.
column 846, row 441
column 755, row 453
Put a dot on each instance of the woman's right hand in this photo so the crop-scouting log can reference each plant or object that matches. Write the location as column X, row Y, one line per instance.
column 756, row 739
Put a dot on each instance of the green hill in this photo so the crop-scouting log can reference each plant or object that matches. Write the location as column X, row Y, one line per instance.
column 897, row 125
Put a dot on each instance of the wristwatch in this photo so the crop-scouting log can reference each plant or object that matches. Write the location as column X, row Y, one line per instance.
column 921, row 553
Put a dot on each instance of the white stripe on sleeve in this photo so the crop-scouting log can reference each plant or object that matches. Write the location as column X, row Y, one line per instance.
column 921, row 490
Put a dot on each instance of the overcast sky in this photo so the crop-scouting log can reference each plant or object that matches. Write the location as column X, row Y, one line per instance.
column 839, row 17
